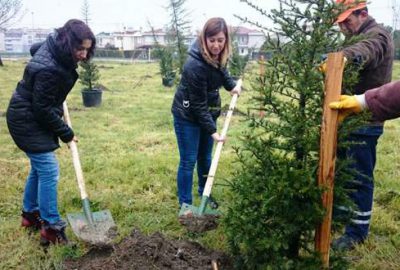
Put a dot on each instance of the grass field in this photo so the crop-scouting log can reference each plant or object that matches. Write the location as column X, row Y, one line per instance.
column 129, row 157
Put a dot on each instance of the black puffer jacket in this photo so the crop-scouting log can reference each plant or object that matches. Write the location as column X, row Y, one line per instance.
column 197, row 97
column 35, row 109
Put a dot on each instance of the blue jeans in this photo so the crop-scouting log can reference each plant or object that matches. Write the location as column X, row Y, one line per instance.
column 195, row 145
column 363, row 155
column 41, row 186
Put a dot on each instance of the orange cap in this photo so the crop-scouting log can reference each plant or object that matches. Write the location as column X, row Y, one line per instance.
column 350, row 5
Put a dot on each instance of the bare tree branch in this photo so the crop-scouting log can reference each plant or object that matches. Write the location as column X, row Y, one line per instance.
column 10, row 12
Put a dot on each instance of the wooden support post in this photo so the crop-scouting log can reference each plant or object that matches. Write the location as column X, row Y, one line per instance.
column 262, row 74
column 327, row 153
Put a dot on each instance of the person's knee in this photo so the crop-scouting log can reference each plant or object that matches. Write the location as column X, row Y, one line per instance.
column 187, row 164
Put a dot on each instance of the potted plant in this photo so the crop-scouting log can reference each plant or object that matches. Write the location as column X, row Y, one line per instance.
column 88, row 77
column 166, row 67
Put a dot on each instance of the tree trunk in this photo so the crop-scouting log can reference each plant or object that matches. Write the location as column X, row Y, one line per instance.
column 1, row 62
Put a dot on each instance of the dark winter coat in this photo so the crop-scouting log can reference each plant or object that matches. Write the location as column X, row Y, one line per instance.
column 376, row 52
column 197, row 96
column 34, row 115
column 384, row 101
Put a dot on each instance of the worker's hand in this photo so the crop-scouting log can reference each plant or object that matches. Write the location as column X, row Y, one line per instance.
column 346, row 105
column 322, row 67
column 218, row 138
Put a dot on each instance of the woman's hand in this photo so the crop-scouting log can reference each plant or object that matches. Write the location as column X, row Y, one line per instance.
column 217, row 137
column 237, row 90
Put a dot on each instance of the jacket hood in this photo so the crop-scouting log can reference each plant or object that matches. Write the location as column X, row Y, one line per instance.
column 61, row 54
column 197, row 52
column 35, row 47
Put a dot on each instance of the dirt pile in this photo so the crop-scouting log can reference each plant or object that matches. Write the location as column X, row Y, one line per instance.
column 150, row 252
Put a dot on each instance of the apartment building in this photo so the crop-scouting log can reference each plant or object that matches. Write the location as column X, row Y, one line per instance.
column 20, row 40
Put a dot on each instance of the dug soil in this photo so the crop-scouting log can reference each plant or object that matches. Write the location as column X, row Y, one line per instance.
column 141, row 252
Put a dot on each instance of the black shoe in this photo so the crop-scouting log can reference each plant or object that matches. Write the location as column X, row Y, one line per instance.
column 212, row 203
column 32, row 220
column 344, row 243
column 54, row 233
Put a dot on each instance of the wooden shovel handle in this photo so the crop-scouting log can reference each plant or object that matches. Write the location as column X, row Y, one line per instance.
column 217, row 153
column 75, row 156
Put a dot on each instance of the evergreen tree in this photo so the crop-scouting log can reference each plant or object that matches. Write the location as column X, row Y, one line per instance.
column 237, row 62
column 164, row 53
column 276, row 203
column 85, row 11
column 178, row 30
column 89, row 73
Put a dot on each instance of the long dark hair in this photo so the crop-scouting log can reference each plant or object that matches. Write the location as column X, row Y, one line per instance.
column 212, row 27
column 72, row 34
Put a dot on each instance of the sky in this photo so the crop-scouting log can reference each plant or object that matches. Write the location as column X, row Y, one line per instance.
column 114, row 15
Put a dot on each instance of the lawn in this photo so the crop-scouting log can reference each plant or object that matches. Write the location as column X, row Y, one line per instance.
column 129, row 157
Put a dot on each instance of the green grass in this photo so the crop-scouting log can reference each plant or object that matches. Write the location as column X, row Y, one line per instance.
column 129, row 157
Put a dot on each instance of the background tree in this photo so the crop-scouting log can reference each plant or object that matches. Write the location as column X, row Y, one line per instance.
column 89, row 73
column 85, row 11
column 237, row 62
column 164, row 54
column 275, row 203
column 179, row 29
column 10, row 12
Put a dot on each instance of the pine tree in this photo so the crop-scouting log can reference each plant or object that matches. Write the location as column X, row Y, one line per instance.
column 237, row 62
column 276, row 204
column 89, row 73
column 178, row 30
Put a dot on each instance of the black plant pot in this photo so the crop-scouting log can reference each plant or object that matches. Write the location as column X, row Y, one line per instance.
column 91, row 98
column 167, row 81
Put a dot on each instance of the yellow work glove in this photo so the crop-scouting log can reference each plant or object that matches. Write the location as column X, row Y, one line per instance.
column 322, row 67
column 346, row 105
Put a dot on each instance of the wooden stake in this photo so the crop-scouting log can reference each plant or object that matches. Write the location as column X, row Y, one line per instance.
column 327, row 153
column 214, row 265
column 262, row 74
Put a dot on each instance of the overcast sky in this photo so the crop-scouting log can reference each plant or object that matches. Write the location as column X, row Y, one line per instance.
column 113, row 15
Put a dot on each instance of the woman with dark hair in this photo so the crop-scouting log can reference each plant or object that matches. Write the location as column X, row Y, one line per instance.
column 197, row 105
column 34, row 119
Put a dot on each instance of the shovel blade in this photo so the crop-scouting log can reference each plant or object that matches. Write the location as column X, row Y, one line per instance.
column 102, row 231
column 188, row 209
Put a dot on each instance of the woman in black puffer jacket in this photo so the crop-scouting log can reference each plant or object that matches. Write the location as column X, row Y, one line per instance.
column 197, row 104
column 34, row 119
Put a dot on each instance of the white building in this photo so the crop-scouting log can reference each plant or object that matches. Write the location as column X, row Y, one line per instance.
column 130, row 39
column 20, row 40
column 247, row 40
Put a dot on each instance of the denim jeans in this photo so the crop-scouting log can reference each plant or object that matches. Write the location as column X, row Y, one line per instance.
column 363, row 155
column 41, row 186
column 195, row 145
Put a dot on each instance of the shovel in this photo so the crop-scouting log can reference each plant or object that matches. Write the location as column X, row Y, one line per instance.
column 190, row 210
column 97, row 228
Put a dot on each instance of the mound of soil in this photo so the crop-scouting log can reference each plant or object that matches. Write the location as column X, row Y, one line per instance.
column 150, row 252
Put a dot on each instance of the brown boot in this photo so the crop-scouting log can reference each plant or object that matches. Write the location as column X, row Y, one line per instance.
column 54, row 234
column 32, row 220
